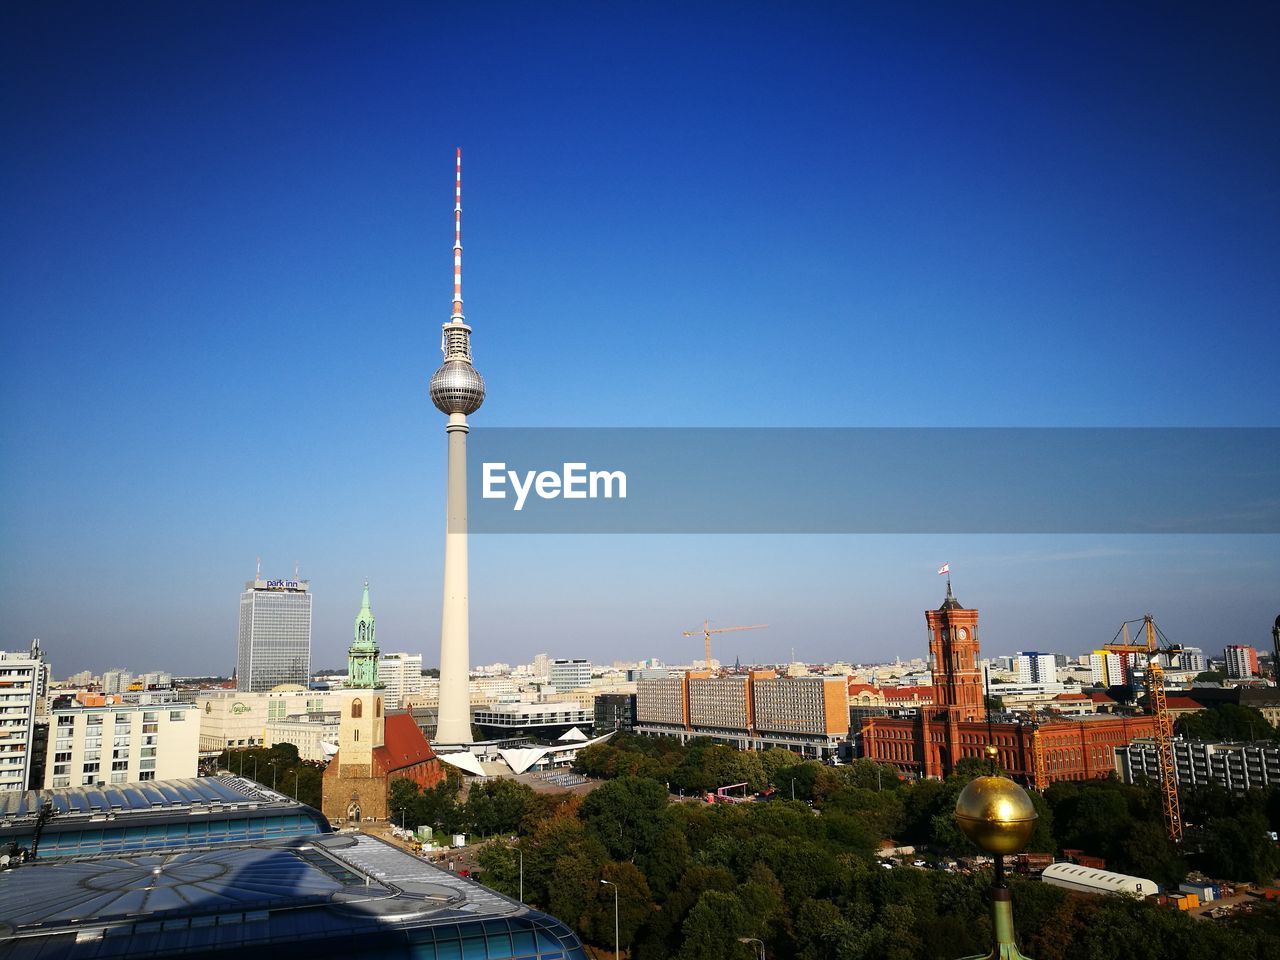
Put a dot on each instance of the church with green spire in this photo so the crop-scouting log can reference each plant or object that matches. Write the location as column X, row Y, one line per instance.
column 362, row 658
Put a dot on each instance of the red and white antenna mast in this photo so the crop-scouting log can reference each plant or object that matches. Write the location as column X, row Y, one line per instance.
column 457, row 244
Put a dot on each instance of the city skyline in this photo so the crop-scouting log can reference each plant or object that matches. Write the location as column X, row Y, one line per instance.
column 228, row 308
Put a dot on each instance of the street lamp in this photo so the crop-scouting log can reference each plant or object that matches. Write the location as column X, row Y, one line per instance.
column 793, row 788
column 520, row 854
column 753, row 940
column 610, row 883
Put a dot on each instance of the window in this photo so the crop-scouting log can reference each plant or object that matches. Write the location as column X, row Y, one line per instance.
column 150, row 728
column 119, row 778
column 62, row 757
column 151, row 717
column 357, row 709
column 123, row 718
column 119, row 765
column 147, row 775
column 90, row 768
column 67, row 721
column 176, row 716
column 62, row 781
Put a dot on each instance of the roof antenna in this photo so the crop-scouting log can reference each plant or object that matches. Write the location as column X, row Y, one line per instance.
column 258, row 573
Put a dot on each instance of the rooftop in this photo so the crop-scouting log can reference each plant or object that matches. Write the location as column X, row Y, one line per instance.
column 155, row 796
column 331, row 895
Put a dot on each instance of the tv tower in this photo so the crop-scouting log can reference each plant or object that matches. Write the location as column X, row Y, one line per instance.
column 457, row 389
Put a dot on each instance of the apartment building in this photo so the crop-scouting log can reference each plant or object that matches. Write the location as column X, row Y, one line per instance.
column 125, row 743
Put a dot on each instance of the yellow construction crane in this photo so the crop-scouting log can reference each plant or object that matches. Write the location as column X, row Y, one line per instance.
column 1150, row 647
column 707, row 630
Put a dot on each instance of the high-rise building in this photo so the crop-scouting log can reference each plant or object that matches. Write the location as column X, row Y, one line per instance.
column 1242, row 661
column 400, row 676
column 541, row 666
column 457, row 390
column 1035, row 667
column 570, row 674
column 1192, row 658
column 22, row 676
column 275, row 634
column 116, row 681
column 362, row 658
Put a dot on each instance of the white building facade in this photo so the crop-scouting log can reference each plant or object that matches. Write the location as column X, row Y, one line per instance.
column 23, row 677
column 400, row 675
column 1036, row 667
column 570, row 674
column 230, row 719
column 121, row 744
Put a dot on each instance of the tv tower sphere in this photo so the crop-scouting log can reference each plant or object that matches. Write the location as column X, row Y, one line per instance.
column 457, row 387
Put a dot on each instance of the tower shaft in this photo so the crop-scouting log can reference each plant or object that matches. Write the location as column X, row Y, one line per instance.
column 454, row 712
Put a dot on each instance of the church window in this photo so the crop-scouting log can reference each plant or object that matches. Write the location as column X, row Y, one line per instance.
column 377, row 706
column 357, row 737
column 357, row 709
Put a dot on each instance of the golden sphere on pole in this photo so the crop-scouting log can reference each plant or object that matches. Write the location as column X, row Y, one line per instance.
column 996, row 814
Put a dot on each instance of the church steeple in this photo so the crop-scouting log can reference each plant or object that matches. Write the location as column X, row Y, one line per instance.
column 362, row 658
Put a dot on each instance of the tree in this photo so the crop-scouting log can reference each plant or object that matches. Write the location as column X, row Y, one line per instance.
column 712, row 929
column 1225, row 722
column 624, row 814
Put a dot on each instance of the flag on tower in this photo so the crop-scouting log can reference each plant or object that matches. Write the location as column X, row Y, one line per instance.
column 944, row 569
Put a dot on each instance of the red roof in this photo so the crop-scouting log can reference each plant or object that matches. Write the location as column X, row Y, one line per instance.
column 403, row 744
column 1098, row 696
column 1182, row 703
column 856, row 688
column 1071, row 696
column 907, row 693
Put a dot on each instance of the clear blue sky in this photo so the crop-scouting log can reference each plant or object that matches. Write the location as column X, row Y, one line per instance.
column 224, row 258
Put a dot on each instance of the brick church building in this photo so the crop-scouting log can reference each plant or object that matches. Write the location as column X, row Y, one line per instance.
column 373, row 750
column 930, row 743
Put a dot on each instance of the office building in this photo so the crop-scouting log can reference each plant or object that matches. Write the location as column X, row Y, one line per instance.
column 275, row 634
column 324, row 897
column 543, row 721
column 400, row 676
column 230, row 719
column 937, row 737
column 1242, row 662
column 125, row 743
column 615, row 711
column 1236, row 766
column 752, row 711
column 570, row 674
column 24, row 678
column 1035, row 667
column 457, row 390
